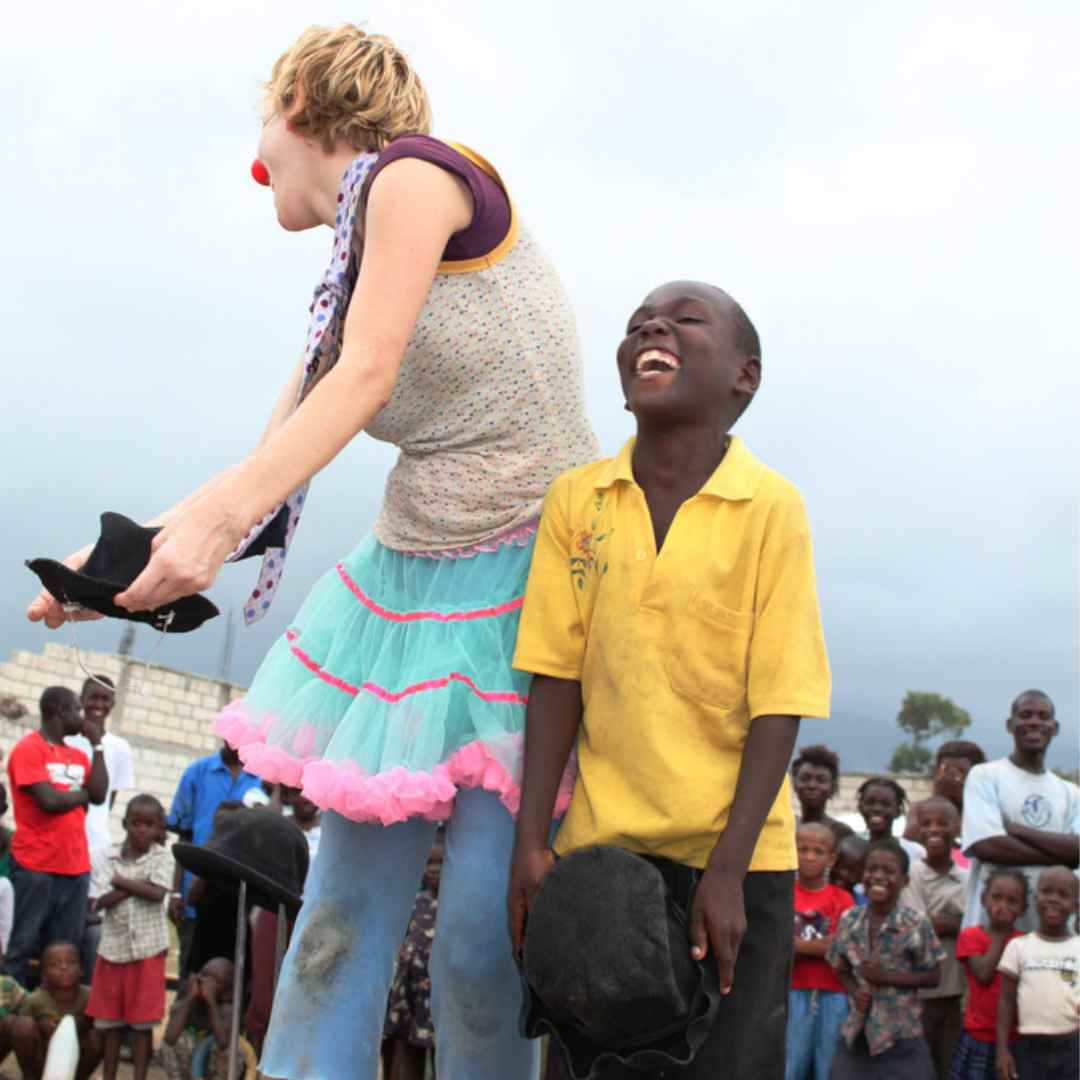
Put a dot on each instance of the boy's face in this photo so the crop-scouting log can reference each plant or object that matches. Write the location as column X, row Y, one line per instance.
column 879, row 809
column 679, row 361
column 815, row 847
column 848, row 871
column 1004, row 901
column 813, row 785
column 1056, row 899
column 883, row 878
column 219, row 971
column 939, row 826
column 97, row 702
column 143, row 826
column 1032, row 723
column 60, row 967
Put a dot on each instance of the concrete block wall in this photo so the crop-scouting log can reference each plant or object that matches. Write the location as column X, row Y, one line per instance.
column 165, row 715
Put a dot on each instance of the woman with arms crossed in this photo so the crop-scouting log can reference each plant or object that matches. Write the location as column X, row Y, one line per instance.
column 441, row 327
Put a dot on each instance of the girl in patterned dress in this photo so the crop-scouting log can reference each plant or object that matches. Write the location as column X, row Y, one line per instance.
column 439, row 326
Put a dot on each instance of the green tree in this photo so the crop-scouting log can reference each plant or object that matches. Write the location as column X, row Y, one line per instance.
column 924, row 716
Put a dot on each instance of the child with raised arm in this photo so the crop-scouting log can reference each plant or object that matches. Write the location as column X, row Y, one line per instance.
column 1040, row 988
column 979, row 949
column 884, row 954
column 128, row 987
column 817, row 1004
column 204, row 1009
column 671, row 622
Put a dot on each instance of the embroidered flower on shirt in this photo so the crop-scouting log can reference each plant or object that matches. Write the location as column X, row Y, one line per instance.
column 585, row 554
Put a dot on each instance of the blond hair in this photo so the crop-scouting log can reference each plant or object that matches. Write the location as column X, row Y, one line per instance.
column 339, row 84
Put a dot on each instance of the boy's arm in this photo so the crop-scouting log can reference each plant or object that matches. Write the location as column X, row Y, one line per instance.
column 1006, row 1021
column 816, row 947
column 551, row 725
column 1059, row 847
column 220, row 1015
column 984, row 835
column 145, row 890
column 178, row 1014
column 109, row 899
column 717, row 916
column 876, row 975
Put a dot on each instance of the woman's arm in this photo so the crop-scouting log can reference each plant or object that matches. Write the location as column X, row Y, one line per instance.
column 413, row 209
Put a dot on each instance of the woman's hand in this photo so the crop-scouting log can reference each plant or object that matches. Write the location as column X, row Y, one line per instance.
column 186, row 556
column 718, row 918
column 45, row 607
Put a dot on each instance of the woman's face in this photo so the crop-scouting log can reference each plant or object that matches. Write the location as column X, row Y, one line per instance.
column 290, row 159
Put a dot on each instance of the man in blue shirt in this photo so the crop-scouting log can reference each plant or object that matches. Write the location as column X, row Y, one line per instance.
column 206, row 784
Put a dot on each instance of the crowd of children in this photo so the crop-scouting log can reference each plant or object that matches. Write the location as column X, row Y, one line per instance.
column 888, row 981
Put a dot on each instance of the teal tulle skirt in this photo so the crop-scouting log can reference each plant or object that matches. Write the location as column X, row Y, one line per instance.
column 393, row 686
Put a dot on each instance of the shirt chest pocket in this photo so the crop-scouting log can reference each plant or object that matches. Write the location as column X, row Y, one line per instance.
column 708, row 652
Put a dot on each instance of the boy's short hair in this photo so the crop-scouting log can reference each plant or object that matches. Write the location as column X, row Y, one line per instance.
column 960, row 748
column 97, row 680
column 1031, row 694
column 54, row 698
column 940, row 800
column 59, row 945
column 891, row 844
column 818, row 827
column 820, row 756
column 341, row 85
column 144, row 801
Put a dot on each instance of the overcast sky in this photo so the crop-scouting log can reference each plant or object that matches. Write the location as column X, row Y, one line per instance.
column 889, row 189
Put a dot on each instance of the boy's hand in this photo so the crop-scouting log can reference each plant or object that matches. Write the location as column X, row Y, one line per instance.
column 718, row 918
column 1006, row 1067
column 871, row 972
column 176, row 910
column 528, row 867
column 863, row 998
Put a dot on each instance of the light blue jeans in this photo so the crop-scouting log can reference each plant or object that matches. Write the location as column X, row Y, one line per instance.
column 331, row 1001
column 813, row 1026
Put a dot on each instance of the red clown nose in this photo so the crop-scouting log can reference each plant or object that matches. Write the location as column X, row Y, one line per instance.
column 259, row 173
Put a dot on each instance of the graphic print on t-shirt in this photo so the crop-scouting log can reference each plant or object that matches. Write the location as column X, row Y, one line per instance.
column 811, row 925
column 1067, row 967
column 1037, row 811
column 65, row 774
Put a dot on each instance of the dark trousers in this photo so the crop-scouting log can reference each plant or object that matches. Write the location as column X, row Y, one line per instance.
column 48, row 908
column 747, row 1040
column 1047, row 1057
column 942, row 1021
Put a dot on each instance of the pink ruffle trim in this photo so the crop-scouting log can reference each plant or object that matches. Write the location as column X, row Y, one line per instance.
column 387, row 797
column 519, row 536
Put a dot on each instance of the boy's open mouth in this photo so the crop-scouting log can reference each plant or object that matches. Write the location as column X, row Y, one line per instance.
column 653, row 363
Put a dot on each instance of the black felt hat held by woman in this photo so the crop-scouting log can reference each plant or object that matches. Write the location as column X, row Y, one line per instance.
column 119, row 557
column 263, row 848
column 607, row 967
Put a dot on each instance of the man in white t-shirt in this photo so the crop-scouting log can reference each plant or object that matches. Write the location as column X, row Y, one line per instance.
column 1016, row 812
column 97, row 700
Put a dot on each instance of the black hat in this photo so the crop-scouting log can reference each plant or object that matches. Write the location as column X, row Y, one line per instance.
column 263, row 848
column 118, row 558
column 607, row 967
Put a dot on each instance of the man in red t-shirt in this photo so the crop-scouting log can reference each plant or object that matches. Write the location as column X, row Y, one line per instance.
column 51, row 786
column 817, row 1004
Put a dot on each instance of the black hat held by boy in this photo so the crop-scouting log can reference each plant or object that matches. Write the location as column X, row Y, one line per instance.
column 607, row 967
column 118, row 558
column 261, row 847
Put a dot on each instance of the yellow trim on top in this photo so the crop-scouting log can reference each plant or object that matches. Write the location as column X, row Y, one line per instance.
column 505, row 245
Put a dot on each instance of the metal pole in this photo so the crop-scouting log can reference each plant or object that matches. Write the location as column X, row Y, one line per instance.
column 279, row 943
column 238, row 978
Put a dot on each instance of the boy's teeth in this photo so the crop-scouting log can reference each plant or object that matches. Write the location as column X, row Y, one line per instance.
column 655, row 356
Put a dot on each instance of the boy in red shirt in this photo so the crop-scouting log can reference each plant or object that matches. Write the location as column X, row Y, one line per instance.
column 817, row 1004
column 51, row 786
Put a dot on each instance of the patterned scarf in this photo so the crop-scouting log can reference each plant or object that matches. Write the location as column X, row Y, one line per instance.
column 271, row 536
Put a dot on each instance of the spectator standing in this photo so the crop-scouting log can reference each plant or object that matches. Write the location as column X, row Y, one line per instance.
column 1017, row 812
column 205, row 784
column 935, row 888
column 7, row 891
column 51, row 786
column 97, row 699
column 952, row 762
column 815, row 776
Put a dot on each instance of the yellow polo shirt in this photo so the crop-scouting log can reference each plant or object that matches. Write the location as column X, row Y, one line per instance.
column 676, row 653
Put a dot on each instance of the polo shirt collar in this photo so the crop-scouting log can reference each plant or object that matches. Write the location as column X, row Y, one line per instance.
column 736, row 478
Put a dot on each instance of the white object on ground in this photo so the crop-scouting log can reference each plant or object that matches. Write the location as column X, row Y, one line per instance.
column 63, row 1057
